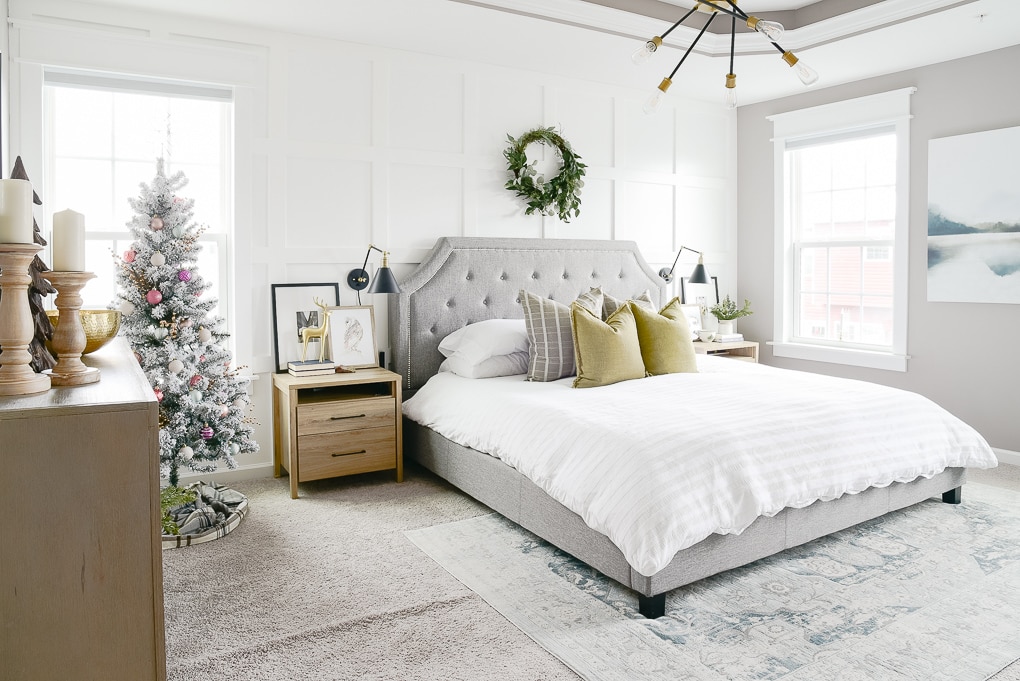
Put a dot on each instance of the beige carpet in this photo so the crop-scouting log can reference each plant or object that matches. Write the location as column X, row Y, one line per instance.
column 328, row 587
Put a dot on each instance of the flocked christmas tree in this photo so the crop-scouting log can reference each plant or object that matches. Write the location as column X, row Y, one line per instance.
column 203, row 404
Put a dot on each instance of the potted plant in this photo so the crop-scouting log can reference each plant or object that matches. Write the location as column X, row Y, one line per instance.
column 727, row 311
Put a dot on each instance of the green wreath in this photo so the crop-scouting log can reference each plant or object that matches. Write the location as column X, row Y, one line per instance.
column 561, row 194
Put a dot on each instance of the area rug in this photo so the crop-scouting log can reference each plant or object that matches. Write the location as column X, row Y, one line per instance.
column 930, row 593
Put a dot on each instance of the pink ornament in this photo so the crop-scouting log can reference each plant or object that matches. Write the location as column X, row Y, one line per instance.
column 156, row 223
column 224, row 411
column 186, row 322
column 195, row 380
column 207, row 433
column 154, row 297
column 184, row 275
column 129, row 256
column 159, row 394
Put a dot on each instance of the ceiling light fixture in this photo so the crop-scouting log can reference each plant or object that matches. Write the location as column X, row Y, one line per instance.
column 773, row 32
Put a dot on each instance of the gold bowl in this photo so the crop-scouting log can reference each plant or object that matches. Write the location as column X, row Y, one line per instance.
column 101, row 326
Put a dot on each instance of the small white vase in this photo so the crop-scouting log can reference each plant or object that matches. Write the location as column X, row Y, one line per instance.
column 726, row 326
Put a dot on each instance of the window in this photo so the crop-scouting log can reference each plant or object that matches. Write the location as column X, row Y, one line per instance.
column 102, row 136
column 841, row 231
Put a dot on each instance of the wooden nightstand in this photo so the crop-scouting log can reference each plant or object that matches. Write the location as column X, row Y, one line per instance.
column 743, row 350
column 341, row 424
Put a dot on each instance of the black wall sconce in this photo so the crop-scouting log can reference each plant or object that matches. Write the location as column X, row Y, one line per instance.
column 384, row 281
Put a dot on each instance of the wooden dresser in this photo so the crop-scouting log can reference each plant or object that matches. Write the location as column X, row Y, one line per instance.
column 340, row 424
column 80, row 559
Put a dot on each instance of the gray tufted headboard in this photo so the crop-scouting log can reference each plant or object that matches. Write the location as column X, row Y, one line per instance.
column 469, row 279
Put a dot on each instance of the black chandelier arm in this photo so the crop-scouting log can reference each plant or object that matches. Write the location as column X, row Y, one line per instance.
column 733, row 40
column 682, row 20
column 683, row 58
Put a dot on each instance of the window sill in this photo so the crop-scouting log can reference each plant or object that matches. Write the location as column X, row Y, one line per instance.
column 857, row 358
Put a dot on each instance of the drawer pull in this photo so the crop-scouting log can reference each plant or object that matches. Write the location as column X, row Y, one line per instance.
column 341, row 418
column 362, row 451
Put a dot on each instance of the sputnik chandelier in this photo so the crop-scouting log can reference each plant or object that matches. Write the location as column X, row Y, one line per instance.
column 771, row 30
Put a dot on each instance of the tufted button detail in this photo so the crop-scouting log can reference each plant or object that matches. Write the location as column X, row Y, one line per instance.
column 485, row 302
column 503, row 276
column 565, row 275
column 449, row 303
column 469, row 276
column 433, row 330
column 534, row 275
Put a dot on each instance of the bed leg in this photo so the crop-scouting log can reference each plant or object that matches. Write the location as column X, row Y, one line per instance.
column 953, row 496
column 652, row 607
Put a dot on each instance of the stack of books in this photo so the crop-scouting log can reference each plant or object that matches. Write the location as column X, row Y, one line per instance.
column 729, row 337
column 311, row 367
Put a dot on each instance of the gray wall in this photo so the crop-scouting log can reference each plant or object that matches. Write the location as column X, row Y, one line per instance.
column 964, row 356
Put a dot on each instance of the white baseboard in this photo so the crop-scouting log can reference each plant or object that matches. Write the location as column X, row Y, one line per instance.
column 228, row 475
column 1006, row 456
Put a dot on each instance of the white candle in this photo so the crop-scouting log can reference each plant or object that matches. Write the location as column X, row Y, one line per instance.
column 68, row 241
column 16, row 212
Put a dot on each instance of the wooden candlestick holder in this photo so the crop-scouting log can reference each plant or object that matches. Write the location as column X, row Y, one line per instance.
column 16, row 326
column 69, row 337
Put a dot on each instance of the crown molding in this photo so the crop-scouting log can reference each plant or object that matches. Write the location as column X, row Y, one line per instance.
column 619, row 22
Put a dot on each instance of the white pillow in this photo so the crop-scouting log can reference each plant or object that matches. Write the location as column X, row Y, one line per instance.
column 477, row 342
column 500, row 365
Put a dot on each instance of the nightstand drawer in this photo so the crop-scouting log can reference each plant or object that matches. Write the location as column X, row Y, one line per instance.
column 344, row 415
column 331, row 454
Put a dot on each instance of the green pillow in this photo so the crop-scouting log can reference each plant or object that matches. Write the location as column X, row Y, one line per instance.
column 605, row 351
column 665, row 339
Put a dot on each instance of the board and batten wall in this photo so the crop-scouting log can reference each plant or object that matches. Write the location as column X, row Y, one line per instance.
column 962, row 355
column 340, row 144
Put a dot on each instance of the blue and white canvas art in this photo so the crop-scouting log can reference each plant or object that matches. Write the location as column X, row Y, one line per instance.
column 974, row 218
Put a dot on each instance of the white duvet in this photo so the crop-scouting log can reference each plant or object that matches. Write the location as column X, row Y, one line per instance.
column 660, row 463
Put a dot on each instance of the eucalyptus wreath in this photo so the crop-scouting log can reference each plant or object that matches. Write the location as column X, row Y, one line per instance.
column 559, row 195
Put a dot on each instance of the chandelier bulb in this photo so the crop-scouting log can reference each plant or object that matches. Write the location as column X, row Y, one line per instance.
column 654, row 101
column 807, row 75
column 730, row 98
column 645, row 52
column 773, row 30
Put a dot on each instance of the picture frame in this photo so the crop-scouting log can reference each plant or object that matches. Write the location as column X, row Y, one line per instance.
column 352, row 336
column 705, row 295
column 693, row 315
column 294, row 309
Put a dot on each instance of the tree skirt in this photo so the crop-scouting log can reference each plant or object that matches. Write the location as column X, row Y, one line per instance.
column 217, row 510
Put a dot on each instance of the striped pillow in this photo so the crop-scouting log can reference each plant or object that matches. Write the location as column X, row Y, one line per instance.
column 550, row 341
column 611, row 304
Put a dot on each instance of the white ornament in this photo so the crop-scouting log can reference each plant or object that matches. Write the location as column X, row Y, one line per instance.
column 186, row 453
column 234, row 448
column 160, row 333
column 176, row 366
column 179, row 231
column 204, row 335
column 195, row 396
column 127, row 307
column 240, row 403
column 157, row 259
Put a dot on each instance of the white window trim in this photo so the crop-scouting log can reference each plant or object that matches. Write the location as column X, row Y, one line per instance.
column 888, row 108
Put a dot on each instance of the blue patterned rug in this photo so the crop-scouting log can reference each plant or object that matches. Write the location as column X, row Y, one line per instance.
column 928, row 593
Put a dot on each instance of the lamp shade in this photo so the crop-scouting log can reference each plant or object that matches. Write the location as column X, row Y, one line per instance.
column 385, row 282
column 698, row 276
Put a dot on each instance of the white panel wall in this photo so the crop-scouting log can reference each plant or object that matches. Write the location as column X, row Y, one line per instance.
column 340, row 145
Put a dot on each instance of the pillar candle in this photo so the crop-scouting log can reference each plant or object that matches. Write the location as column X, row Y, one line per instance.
column 16, row 212
column 68, row 241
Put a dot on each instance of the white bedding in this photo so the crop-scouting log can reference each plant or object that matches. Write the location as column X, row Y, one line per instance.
column 660, row 463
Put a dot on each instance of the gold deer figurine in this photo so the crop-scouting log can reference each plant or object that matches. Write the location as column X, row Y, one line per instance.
column 321, row 332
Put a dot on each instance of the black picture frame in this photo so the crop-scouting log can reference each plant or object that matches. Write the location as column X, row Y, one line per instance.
column 293, row 309
column 690, row 293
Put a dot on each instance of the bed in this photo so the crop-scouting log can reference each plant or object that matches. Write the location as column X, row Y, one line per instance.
column 465, row 280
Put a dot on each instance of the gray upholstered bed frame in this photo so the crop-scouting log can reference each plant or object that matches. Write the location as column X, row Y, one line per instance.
column 469, row 279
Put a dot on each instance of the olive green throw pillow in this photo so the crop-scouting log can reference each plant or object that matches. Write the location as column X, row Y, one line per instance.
column 665, row 338
column 608, row 351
